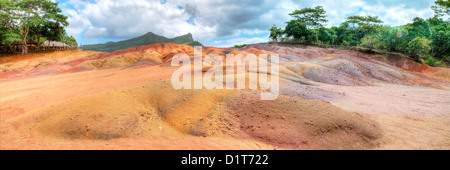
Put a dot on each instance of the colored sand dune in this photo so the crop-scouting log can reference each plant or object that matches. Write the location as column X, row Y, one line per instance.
column 329, row 99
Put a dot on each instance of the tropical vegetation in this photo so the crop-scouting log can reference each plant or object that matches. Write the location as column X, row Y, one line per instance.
column 425, row 40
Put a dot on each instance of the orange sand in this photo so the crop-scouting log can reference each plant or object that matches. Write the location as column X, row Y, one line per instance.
column 330, row 99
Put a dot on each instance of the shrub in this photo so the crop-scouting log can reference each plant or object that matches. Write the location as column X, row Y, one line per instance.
column 419, row 46
column 374, row 41
column 296, row 29
column 432, row 62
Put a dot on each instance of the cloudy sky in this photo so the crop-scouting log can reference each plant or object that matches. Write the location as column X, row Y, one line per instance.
column 221, row 23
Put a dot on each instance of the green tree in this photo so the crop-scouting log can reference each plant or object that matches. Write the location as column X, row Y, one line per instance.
column 419, row 28
column 325, row 35
column 419, row 47
column 440, row 37
column 313, row 17
column 371, row 24
column 363, row 25
column 441, row 8
column 21, row 16
column 424, row 39
column 296, row 29
column 346, row 35
column 334, row 35
column 275, row 33
column 355, row 20
column 373, row 41
column 8, row 37
column 52, row 31
column 313, row 36
column 7, row 34
column 367, row 23
column 356, row 23
column 69, row 40
column 395, row 39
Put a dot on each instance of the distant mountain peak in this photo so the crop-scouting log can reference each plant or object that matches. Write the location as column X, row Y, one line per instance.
column 146, row 39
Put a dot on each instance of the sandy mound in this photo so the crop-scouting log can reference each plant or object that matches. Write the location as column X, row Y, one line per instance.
column 301, row 124
column 156, row 110
column 152, row 110
column 39, row 62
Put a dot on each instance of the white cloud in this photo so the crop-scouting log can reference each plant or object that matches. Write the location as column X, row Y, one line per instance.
column 119, row 19
column 392, row 12
column 240, row 41
column 398, row 15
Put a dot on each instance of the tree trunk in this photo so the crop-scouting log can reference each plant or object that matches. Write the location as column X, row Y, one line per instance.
column 24, row 33
column 24, row 47
column 39, row 42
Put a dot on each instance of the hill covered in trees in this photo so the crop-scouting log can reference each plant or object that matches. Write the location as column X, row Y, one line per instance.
column 147, row 39
column 425, row 40
column 22, row 21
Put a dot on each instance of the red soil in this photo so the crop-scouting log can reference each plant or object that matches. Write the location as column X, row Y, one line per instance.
column 330, row 99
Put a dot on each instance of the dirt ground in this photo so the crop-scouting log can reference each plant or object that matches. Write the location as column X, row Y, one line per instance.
column 329, row 99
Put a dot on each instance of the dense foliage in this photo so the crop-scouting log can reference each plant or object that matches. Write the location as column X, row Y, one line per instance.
column 36, row 20
column 149, row 38
column 426, row 40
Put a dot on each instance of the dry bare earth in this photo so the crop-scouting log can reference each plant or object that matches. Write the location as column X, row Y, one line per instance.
column 330, row 99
